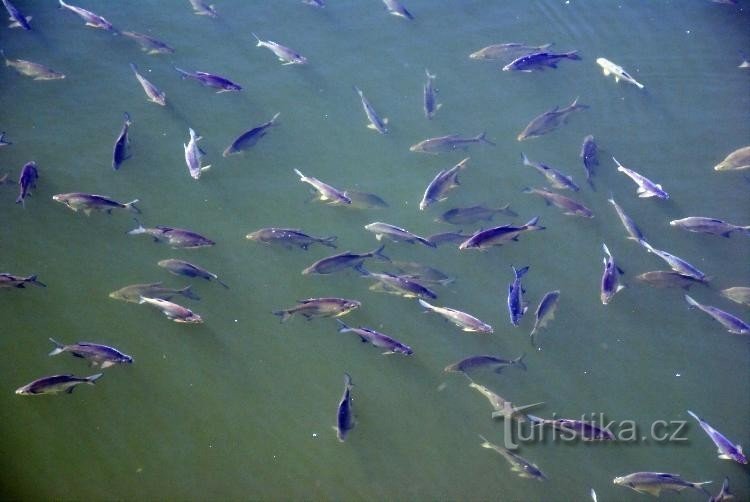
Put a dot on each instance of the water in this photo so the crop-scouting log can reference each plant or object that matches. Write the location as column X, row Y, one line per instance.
column 242, row 406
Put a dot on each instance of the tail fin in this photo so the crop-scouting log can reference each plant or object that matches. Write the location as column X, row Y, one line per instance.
column 127, row 119
column 519, row 361
column 429, row 75
column 130, row 206
column 59, row 348
column 379, row 253
column 299, row 173
column 699, row 486
column 182, row 73
column 273, row 119
column 349, row 384
column 572, row 55
column 138, row 230
column 507, row 211
column 220, row 281
column 134, row 67
column 427, row 242
column 329, row 241
column 485, row 444
column 93, row 378
column 425, row 304
column 33, row 280
column 483, row 138
column 343, row 327
column 285, row 315
column 187, row 292
column 519, row 272
column 692, row 302
column 260, row 42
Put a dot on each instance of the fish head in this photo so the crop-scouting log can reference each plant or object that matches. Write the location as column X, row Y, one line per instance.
column 126, row 360
column 405, row 350
column 116, row 295
column 351, row 305
column 23, row 391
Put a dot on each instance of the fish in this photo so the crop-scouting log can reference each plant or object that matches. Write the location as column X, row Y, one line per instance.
column 733, row 324
column 134, row 292
column 517, row 307
column 176, row 237
column 737, row 294
column 545, row 312
column 376, row 122
column 319, row 307
column 96, row 353
column 735, row 161
column 347, row 259
column 444, row 181
column 27, row 181
column 668, row 279
column 249, row 138
column 397, row 9
column 569, row 206
column 36, row 71
column 727, row 450
column 377, row 339
column 590, row 157
column 555, row 177
column 149, row 45
column 497, row 236
column 55, row 384
column 593, row 496
column 549, row 121
column 344, row 414
column 153, row 93
column 223, row 84
column 724, row 494
column 174, row 312
column 646, row 187
column 523, row 467
column 181, row 267
column 634, row 232
column 473, row 214
column 502, row 407
column 396, row 234
column 422, row 273
column 609, row 68
column 201, row 8
column 18, row 20
column 448, row 143
column 430, row 104
column 92, row 20
column 463, row 320
column 655, row 482
column 120, row 150
column 16, row 281
column 710, row 226
column 540, row 60
column 3, row 141
column 289, row 237
column 286, row 55
column 88, row 202
column 194, row 155
column 677, row 264
column 507, row 51
column 610, row 284
column 399, row 285
column 587, row 431
column 314, row 3
column 448, row 237
column 326, row 193
column 472, row 363
column 364, row 200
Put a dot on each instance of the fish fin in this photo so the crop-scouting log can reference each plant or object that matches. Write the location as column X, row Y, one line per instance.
column 70, row 390
column 388, row 353
column 130, row 206
column 107, row 364
column 93, row 378
column 187, row 292
column 724, row 456
column 59, row 348
column 372, row 126
column 343, row 325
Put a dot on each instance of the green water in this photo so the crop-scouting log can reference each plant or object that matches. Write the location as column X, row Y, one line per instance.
column 242, row 406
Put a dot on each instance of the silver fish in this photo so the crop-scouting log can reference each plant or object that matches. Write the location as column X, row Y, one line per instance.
column 55, row 384
column 422, row 273
column 88, row 202
column 569, row 206
column 120, row 150
column 555, row 177
column 727, row 450
column 633, row 230
column 444, row 181
column 677, row 264
column 347, row 259
column 153, row 93
column 737, row 294
column 249, row 138
column 609, row 68
column 149, row 45
column 474, row 214
column 734, row 325
column 711, row 226
column 429, row 101
column 92, row 20
column 540, row 60
column 590, row 158
column 194, row 156
column 610, row 284
column 18, row 20
column 668, row 279
column 377, row 339
column 497, row 236
column 523, row 467
column 201, row 8
column 472, row 363
column 545, row 312
column 646, row 187
column 285, row 54
column 463, row 320
column 517, row 307
column 364, row 200
column 175, row 237
column 182, row 267
column 223, row 84
column 448, row 143
column 134, row 292
column 396, row 234
column 174, row 312
column 16, row 281
column 395, row 8
column 501, row 406
column 507, row 52
column 319, row 307
column 655, row 482
column 27, row 181
column 344, row 414
column 549, row 121
column 96, row 353
column 288, row 237
column 735, row 161
column 34, row 70
column 326, row 193
column 400, row 285
column 376, row 122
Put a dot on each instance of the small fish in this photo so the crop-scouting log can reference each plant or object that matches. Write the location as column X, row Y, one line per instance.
column 711, row 226
column 590, row 157
column 448, row 237
column 319, row 307
column 545, row 312
column 16, row 281
column 211, row 80
column 377, row 339
column 34, row 70
column 399, row 285
column 727, row 450
column 395, row 8
column 497, row 236
column 549, row 121
column 314, row 3
column 201, row 8
column 463, row 320
column 646, row 187
column 286, row 55
column 610, row 284
column 88, row 202
column 735, row 161
column 734, row 325
column 249, row 138
column 149, row 45
column 655, row 482
column 472, row 363
column 502, row 407
column 569, row 206
column 134, row 292
column 181, row 267
column 555, row 177
column 422, row 273
column 96, row 353
column 448, row 143
column 344, row 415
column 289, row 237
column 27, row 181
column 175, row 237
column 18, row 20
column 120, row 150
column 174, row 312
column 677, row 264
column 633, row 230
column 3, row 141
column 668, row 279
column 153, row 93
column 517, row 307
column 523, row 467
column 737, row 294
column 609, row 68
column 508, row 51
column 55, row 384
column 540, row 60
column 194, row 155
column 444, row 181
column 396, row 234
column 587, row 431
column 593, row 496
column 326, row 193
column 364, row 200
column 430, row 104
column 347, row 259
column 724, row 494
column 474, row 214
column 92, row 20
column 376, row 122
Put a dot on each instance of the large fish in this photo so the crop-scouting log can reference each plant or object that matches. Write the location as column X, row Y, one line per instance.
column 395, row 8
column 134, row 292
column 646, row 187
column 27, row 181
column 319, row 307
column 149, row 45
column 734, row 325
column 344, row 414
column 175, row 237
column 444, row 181
column 377, row 339
column 194, row 156
column 711, row 226
column 182, row 267
column 92, row 20
column 655, row 482
column 739, row 294
column 517, row 307
column 88, row 202
column 396, row 234
column 555, row 177
column 610, row 284
column 473, row 214
column 344, row 260
column 249, row 138
column 376, row 123
column 668, row 279
column 400, row 285
column 609, row 68
column 55, row 384
column 429, row 101
column 201, row 8
column 16, row 281
column 153, row 93
column 120, row 150
column 569, row 206
column 545, row 312
column 365, row 200
column 223, row 84
column 174, row 312
column 463, row 320
column 549, row 120
column 677, row 263
column 735, row 161
column 634, row 232
column 289, row 237
column 726, row 449
column 507, row 51
column 587, row 431
column 285, row 54
column 472, row 363
column 540, row 60
column 523, row 467
column 36, row 71
column 18, row 20
column 448, row 143
column 501, row 406
column 590, row 158
column 96, row 353
column 326, row 193
column 497, row 236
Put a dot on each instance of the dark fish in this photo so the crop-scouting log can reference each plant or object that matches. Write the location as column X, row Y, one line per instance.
column 181, row 267
column 93, row 20
column 3, row 141
column 569, row 206
column 448, row 143
column 175, row 237
column 319, row 307
column 610, row 284
column 474, row 214
column 655, row 482
column 174, row 312
column 27, row 181
column 545, row 312
column 344, row 415
column 364, row 200
column 249, row 138
column 396, row 234
column 463, row 320
column 668, row 279
column 326, row 193
column 517, row 307
column 523, row 467
column 727, row 450
column 555, row 177
column 149, row 44
column 286, row 55
column 134, row 292
column 94, row 352
column 444, row 181
column 55, row 384
column 399, row 285
column 448, row 237
column 507, row 52
column 347, row 259
column 377, row 339
column 120, row 150
column 480, row 362
column 498, row 236
column 201, row 8
column 734, row 325
column 538, row 61
column 646, row 187
column 153, row 93
column 590, row 157
column 587, row 431
column 376, row 123
column 211, row 80
column 677, row 263
column 430, row 104
column 710, row 226
column 633, row 230
column 36, row 71
column 16, row 281
column 88, row 202
column 395, row 8
column 289, row 237
column 549, row 120
column 18, row 20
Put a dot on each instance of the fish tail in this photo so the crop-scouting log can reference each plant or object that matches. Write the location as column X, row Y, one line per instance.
column 483, row 138
column 425, row 305
column 59, row 348
column 285, row 315
column 525, row 159
column 274, row 118
column 692, row 302
column 187, row 292
column 699, row 486
column 134, row 67
column 329, row 241
column 694, row 416
column 93, row 378
column 220, row 282
column 520, row 272
column 182, row 73
column 429, row 75
column 138, row 230
column 485, row 444
column 379, row 253
column 130, row 206
column 260, row 42
column 427, row 242
column 299, row 173
column 127, row 119
column 343, row 325
column 32, row 279
column 535, row 419
column 573, row 55
column 527, row 190
column 744, row 230
column 519, row 361
column 348, row 382
column 506, row 210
